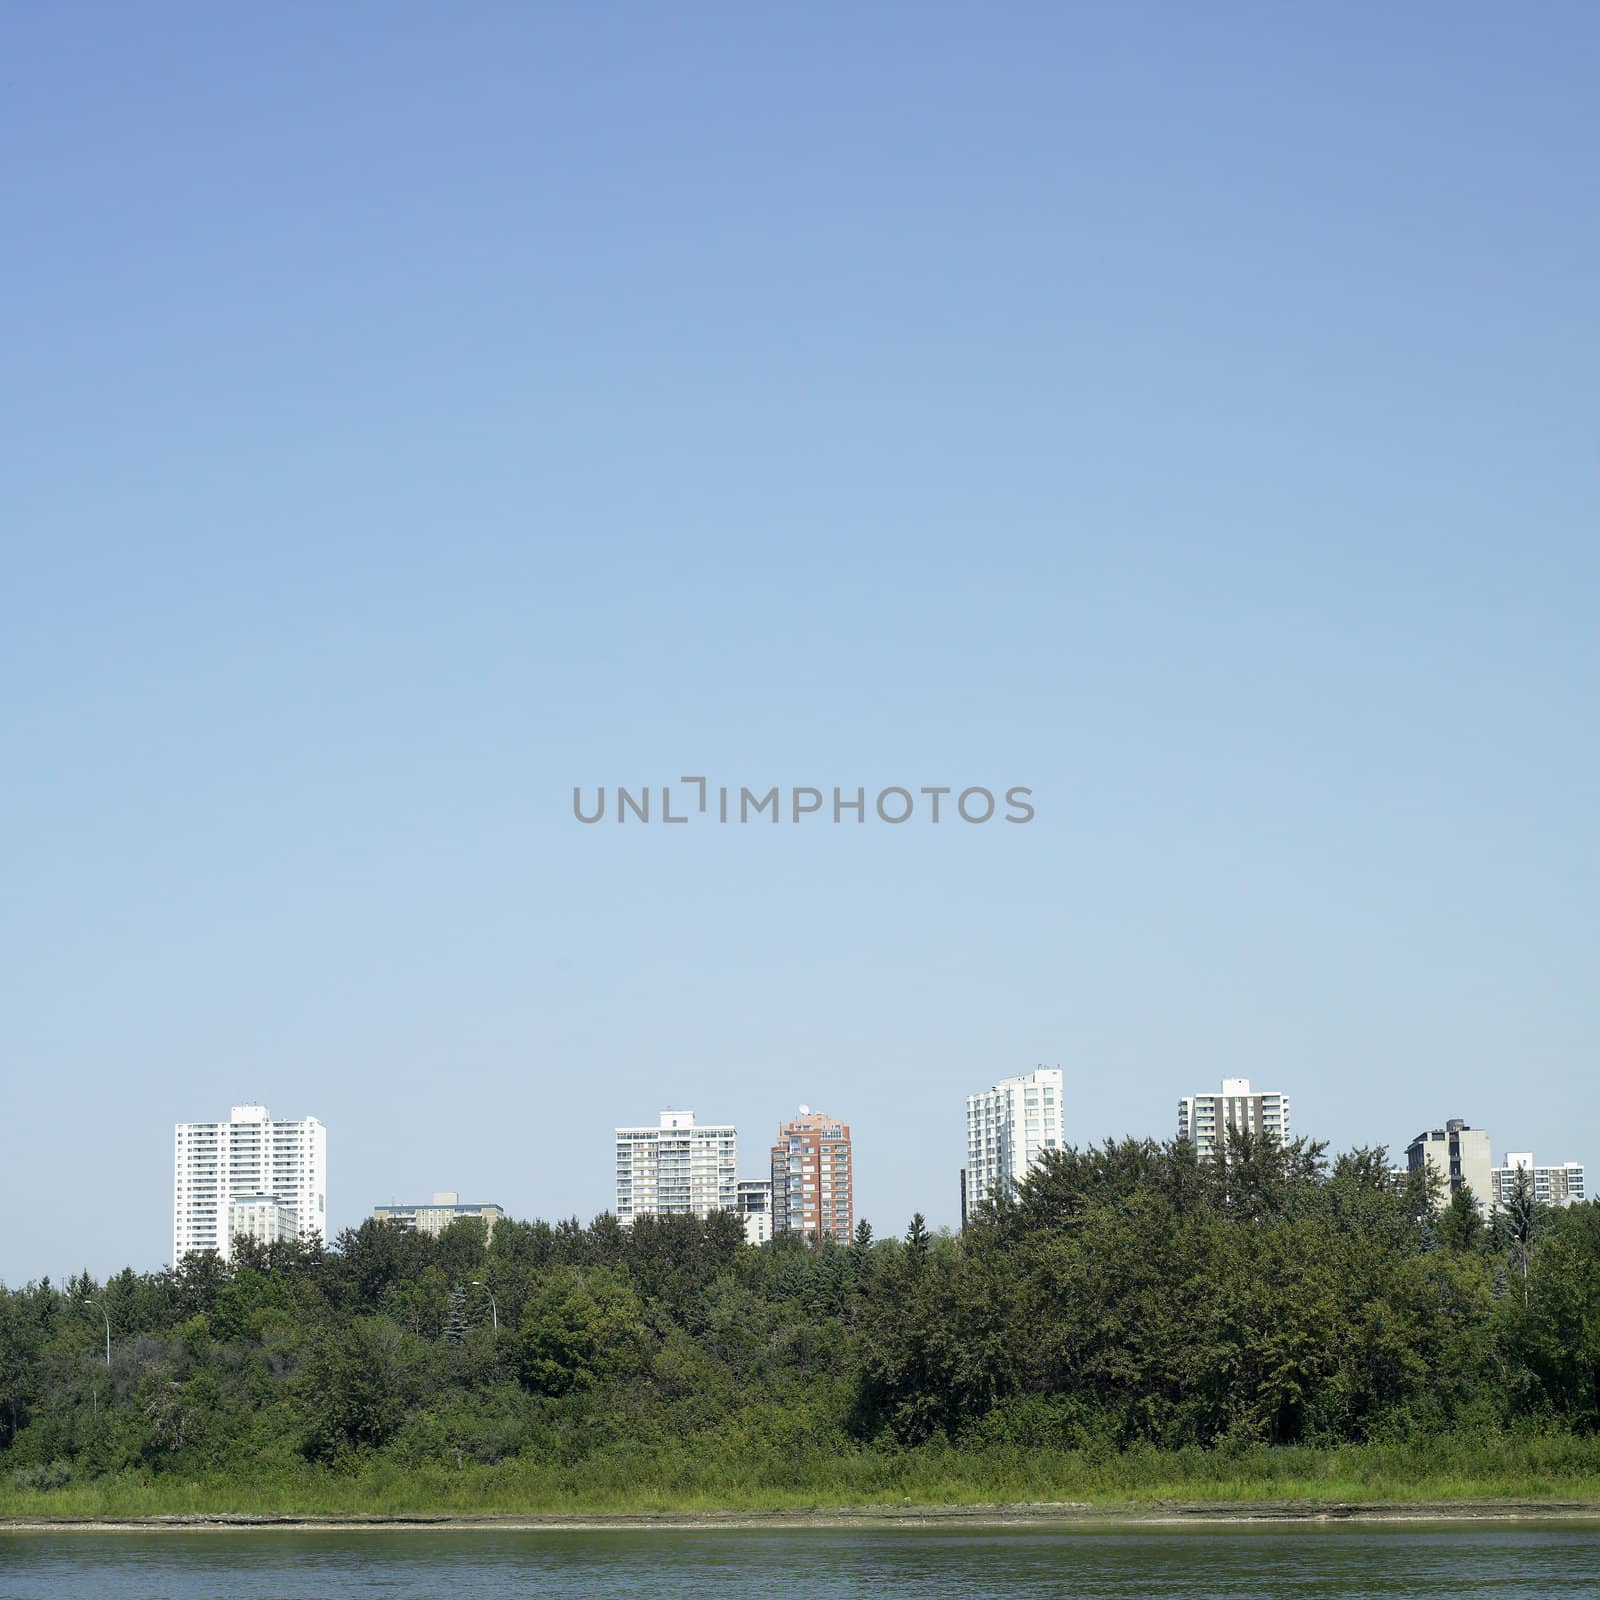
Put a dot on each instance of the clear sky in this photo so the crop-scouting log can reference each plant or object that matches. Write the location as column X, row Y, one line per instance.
column 412, row 411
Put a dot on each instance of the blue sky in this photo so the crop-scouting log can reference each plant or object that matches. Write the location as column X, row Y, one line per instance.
column 411, row 413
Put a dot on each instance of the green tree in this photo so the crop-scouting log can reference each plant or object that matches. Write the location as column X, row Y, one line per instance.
column 1460, row 1227
column 584, row 1327
column 1517, row 1224
column 917, row 1243
column 358, row 1383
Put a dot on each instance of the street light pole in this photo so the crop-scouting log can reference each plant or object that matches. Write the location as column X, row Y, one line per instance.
column 494, row 1310
column 98, row 1302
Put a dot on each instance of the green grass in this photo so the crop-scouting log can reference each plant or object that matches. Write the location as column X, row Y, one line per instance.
column 1535, row 1468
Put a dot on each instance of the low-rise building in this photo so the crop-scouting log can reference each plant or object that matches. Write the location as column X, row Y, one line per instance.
column 262, row 1217
column 437, row 1215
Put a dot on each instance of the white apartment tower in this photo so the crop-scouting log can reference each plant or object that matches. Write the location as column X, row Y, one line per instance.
column 1009, row 1127
column 1552, row 1186
column 1204, row 1119
column 248, row 1175
column 677, row 1169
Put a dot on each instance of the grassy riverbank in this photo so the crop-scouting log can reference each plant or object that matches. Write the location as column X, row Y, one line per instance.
column 1526, row 1470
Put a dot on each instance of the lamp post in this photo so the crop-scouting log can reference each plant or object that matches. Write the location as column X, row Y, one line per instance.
column 494, row 1310
column 96, row 1301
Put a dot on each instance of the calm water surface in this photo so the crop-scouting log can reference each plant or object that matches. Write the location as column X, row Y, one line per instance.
column 1532, row 1561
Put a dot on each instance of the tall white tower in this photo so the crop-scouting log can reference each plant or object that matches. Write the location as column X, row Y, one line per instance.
column 1009, row 1127
column 248, row 1175
column 679, row 1168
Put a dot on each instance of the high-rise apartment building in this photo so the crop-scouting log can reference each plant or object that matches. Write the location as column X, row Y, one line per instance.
column 445, row 1207
column 812, row 1189
column 755, row 1209
column 678, row 1169
column 1552, row 1186
column 1009, row 1127
column 1205, row 1119
column 248, row 1175
column 1460, row 1155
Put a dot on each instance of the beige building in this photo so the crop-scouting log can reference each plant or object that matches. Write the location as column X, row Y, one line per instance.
column 262, row 1217
column 445, row 1207
column 1460, row 1155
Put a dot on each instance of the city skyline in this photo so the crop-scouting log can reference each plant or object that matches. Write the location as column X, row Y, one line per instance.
column 1559, row 1182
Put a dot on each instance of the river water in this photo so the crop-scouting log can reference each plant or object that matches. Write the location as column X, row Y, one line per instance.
column 1529, row 1560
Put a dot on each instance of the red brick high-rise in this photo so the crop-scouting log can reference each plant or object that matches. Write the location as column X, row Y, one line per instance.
column 812, row 1187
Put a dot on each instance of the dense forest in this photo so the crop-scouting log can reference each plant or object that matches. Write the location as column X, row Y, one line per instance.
column 1129, row 1297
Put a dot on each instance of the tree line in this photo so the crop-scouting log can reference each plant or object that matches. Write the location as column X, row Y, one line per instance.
column 1126, row 1293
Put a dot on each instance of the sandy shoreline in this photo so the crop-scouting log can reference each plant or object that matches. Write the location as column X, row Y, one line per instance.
column 1054, row 1514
